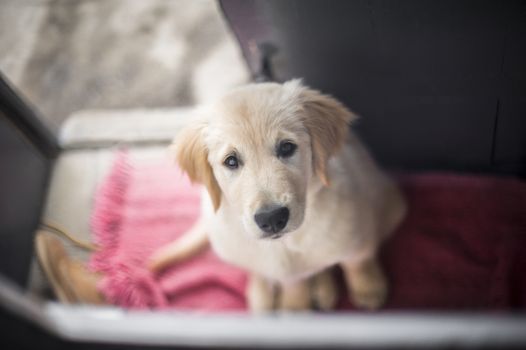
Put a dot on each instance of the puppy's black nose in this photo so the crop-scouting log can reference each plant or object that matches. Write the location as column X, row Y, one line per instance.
column 273, row 220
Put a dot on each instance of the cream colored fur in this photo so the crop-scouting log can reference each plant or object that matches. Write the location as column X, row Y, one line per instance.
column 341, row 205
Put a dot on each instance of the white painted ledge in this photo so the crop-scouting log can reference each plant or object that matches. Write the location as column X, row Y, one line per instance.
column 91, row 127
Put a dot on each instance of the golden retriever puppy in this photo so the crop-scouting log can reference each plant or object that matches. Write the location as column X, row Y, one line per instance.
column 292, row 192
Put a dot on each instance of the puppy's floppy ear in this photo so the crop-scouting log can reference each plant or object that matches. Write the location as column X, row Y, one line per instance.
column 192, row 156
column 327, row 121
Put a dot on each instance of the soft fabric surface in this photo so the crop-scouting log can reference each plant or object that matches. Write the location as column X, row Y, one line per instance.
column 138, row 209
column 461, row 246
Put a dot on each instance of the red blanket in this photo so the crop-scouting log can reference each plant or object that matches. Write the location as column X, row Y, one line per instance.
column 460, row 248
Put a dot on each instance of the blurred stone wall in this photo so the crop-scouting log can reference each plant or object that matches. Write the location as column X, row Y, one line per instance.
column 67, row 55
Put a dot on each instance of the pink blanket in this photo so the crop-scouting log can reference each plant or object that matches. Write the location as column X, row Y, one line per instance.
column 139, row 209
column 461, row 246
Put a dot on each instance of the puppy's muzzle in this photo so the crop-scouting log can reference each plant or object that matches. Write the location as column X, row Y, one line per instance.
column 272, row 221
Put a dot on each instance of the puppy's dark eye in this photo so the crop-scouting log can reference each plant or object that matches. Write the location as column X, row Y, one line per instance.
column 231, row 162
column 286, row 149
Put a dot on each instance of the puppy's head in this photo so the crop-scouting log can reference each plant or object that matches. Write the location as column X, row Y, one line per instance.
column 260, row 148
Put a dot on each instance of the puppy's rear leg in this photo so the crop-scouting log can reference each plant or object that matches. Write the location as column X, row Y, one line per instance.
column 366, row 283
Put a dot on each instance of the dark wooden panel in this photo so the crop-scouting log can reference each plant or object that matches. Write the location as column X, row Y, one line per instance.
column 510, row 145
column 430, row 132
column 23, row 180
column 424, row 75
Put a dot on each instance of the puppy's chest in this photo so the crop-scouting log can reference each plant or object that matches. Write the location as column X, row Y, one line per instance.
column 319, row 243
column 324, row 238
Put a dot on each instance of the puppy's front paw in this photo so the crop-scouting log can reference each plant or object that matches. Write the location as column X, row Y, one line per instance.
column 324, row 291
column 295, row 297
column 260, row 295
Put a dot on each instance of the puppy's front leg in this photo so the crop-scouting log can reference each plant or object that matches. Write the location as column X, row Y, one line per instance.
column 260, row 294
column 188, row 245
column 324, row 292
column 295, row 296
column 366, row 283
